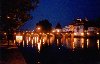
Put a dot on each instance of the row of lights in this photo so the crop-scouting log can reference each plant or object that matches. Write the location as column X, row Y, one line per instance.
column 82, row 34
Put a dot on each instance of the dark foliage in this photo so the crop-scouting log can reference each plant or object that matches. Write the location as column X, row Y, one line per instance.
column 97, row 21
column 58, row 26
column 45, row 25
column 15, row 13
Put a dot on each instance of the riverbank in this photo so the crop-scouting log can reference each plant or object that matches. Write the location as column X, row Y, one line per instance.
column 11, row 55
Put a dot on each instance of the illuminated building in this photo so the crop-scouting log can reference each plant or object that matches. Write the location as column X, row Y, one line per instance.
column 82, row 27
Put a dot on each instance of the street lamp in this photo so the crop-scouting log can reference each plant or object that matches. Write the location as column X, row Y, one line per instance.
column 97, row 33
column 53, row 31
column 58, row 30
column 8, row 17
column 38, row 28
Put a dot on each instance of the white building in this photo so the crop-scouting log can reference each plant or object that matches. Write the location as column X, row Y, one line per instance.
column 57, row 30
column 79, row 30
column 66, row 29
column 91, row 29
column 82, row 28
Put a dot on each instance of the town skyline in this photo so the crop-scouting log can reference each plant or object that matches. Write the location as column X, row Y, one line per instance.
column 64, row 11
column 95, row 21
column 49, row 31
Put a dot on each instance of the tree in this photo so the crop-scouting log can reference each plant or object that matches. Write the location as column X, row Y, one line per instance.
column 15, row 13
column 45, row 25
column 58, row 26
column 97, row 22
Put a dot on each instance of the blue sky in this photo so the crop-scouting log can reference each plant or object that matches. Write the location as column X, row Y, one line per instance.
column 63, row 11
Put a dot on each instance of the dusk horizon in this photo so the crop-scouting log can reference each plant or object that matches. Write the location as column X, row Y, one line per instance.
column 49, row 31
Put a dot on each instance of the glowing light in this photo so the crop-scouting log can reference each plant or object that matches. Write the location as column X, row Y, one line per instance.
column 75, row 39
column 39, row 46
column 8, row 17
column 59, row 48
column 87, row 43
column 14, row 41
column 32, row 42
column 53, row 31
column 14, row 33
column 38, row 28
column 82, row 42
column 40, row 33
column 37, row 39
column 97, row 33
column 27, row 41
column 23, row 43
column 19, row 38
column 47, row 33
column 87, row 33
column 73, row 46
column 40, row 41
column 38, row 62
column 57, row 41
column 43, row 33
column 75, row 34
column 43, row 40
column 82, row 34
column 43, row 43
column 58, row 30
column 66, row 33
column 4, row 33
column 98, row 43
column 29, row 38
column 33, row 37
column 79, row 19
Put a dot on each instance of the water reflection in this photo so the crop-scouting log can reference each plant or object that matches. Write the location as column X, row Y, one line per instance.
column 39, row 45
column 23, row 43
column 27, row 41
column 32, row 42
column 87, row 42
column 73, row 46
column 98, row 43
column 14, row 42
column 57, row 42
column 82, row 42
column 70, row 43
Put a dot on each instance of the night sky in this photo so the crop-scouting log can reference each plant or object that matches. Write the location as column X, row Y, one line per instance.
column 63, row 11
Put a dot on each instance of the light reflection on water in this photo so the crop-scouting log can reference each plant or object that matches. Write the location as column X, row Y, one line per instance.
column 98, row 43
column 87, row 42
column 71, row 43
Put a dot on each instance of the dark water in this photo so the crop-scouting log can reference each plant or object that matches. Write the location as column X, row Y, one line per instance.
column 62, row 51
